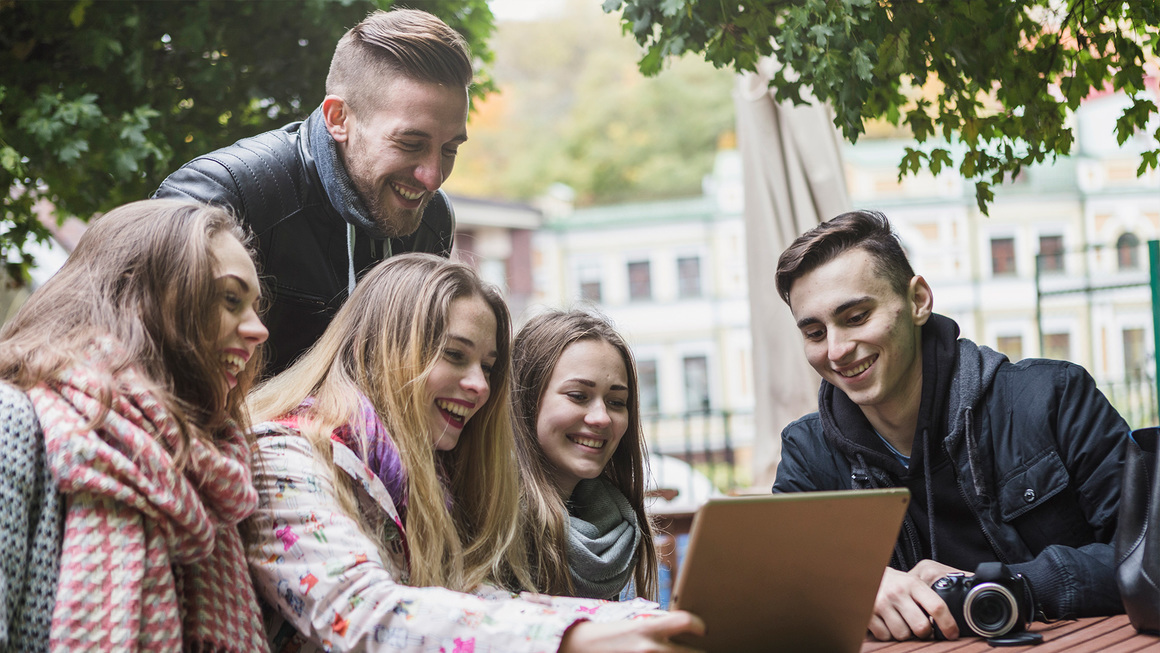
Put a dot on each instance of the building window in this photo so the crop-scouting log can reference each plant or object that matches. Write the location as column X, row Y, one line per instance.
column 646, row 376
column 589, row 277
column 1135, row 355
column 696, row 383
column 1012, row 346
column 1057, row 346
column 1050, row 254
column 689, row 277
column 639, row 281
column 1002, row 256
column 1128, row 251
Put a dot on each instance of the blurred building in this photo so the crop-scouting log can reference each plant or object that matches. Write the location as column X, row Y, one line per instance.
column 496, row 239
column 671, row 276
column 1058, row 269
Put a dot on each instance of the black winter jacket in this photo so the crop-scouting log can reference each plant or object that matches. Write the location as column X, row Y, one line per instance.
column 272, row 183
column 1036, row 452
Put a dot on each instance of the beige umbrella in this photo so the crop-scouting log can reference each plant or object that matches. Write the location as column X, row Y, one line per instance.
column 793, row 176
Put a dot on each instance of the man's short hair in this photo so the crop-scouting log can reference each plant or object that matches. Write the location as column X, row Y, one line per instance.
column 867, row 230
column 399, row 43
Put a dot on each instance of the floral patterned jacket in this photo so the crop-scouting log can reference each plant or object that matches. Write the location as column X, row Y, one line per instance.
column 326, row 587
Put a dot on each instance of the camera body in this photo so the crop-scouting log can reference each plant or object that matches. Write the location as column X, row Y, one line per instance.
column 992, row 603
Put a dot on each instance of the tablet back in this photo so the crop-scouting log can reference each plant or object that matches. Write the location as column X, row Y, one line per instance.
column 788, row 572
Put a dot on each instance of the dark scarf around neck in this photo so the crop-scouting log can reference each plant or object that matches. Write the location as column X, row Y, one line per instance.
column 335, row 180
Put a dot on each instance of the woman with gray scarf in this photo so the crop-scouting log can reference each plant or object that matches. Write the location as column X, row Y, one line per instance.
column 582, row 458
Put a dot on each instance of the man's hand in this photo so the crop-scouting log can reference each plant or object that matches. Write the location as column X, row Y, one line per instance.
column 928, row 571
column 906, row 605
column 641, row 635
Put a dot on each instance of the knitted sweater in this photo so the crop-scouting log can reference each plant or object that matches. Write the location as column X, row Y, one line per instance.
column 31, row 523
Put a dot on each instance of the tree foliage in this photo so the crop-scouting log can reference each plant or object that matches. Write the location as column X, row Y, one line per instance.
column 1001, row 76
column 99, row 101
column 571, row 107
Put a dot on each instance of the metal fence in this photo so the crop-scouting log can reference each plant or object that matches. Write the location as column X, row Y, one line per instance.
column 1134, row 398
column 715, row 442
column 718, row 443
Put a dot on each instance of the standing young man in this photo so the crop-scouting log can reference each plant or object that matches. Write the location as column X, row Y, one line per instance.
column 1008, row 462
column 354, row 183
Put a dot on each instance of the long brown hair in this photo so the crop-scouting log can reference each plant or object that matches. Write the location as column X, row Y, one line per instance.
column 382, row 344
column 143, row 275
column 537, row 349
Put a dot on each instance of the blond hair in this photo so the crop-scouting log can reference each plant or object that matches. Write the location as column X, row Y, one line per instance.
column 382, row 344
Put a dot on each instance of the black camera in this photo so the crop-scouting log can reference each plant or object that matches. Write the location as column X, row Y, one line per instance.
column 992, row 603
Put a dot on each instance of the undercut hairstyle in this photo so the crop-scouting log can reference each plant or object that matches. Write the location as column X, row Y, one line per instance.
column 143, row 275
column 382, row 345
column 405, row 43
column 537, row 349
column 866, row 230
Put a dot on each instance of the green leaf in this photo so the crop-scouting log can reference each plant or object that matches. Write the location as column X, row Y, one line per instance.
column 939, row 158
column 72, row 150
column 1147, row 160
column 984, row 196
column 76, row 15
column 671, row 8
column 10, row 161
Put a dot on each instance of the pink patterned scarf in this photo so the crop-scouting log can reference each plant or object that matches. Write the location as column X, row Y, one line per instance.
column 152, row 559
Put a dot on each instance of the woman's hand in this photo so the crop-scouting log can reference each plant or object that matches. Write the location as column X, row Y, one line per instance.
column 640, row 635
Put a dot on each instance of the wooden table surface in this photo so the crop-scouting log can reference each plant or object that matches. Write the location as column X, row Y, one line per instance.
column 1102, row 634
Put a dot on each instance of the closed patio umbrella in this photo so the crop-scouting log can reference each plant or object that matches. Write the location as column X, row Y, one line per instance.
column 793, row 177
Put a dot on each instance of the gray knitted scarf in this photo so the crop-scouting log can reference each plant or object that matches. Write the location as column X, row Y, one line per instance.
column 335, row 179
column 602, row 540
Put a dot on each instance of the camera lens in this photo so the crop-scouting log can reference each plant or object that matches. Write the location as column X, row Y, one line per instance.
column 991, row 610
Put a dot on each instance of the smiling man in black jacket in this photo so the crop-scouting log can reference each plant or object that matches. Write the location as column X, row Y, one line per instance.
column 354, row 183
column 1006, row 462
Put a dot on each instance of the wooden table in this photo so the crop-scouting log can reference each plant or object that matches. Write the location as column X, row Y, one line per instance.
column 1102, row 634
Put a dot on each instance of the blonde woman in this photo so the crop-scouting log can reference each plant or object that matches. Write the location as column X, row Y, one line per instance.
column 582, row 458
column 125, row 466
column 389, row 507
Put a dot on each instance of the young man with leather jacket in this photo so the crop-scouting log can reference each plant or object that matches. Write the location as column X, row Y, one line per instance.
column 1006, row 462
column 354, row 183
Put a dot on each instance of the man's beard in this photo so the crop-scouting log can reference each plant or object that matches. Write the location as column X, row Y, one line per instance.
column 392, row 222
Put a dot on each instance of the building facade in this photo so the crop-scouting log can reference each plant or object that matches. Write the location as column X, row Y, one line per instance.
column 1059, row 269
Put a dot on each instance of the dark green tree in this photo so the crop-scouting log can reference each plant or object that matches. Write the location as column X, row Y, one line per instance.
column 99, row 101
column 1000, row 76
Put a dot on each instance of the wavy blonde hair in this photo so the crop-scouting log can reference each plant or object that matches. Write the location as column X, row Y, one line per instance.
column 538, row 348
column 383, row 344
column 143, row 275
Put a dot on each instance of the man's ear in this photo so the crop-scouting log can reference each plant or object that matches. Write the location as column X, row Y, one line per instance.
column 338, row 117
column 921, row 300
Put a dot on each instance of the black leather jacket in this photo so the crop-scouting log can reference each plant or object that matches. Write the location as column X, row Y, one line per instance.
column 1039, row 468
column 272, row 183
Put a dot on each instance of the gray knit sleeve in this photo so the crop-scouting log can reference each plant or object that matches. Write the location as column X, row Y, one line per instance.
column 31, row 525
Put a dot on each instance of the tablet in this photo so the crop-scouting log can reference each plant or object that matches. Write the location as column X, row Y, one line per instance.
column 788, row 572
